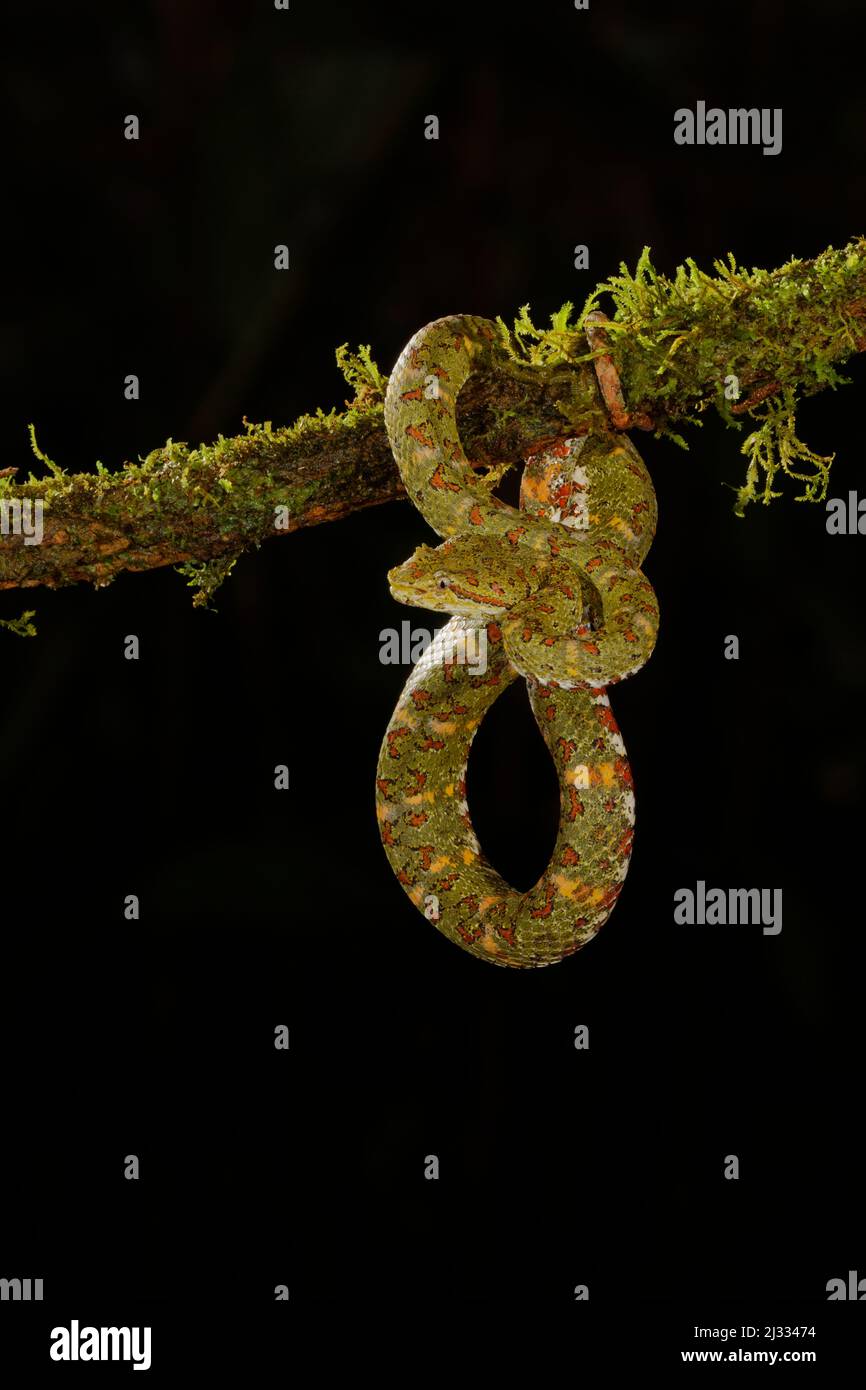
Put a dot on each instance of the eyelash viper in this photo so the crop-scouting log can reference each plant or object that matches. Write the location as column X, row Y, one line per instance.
column 557, row 590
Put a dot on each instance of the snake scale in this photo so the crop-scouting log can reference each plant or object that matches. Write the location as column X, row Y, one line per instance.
column 557, row 591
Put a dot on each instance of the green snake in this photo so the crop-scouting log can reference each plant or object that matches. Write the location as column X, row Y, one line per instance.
column 557, row 591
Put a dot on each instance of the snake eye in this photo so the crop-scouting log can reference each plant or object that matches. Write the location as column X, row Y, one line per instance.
column 441, row 582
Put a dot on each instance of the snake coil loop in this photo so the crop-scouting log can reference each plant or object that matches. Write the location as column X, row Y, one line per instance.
column 553, row 592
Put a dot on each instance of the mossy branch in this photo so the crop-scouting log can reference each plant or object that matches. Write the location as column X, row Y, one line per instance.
column 783, row 334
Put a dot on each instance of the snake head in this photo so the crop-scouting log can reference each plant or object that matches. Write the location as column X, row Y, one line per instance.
column 471, row 576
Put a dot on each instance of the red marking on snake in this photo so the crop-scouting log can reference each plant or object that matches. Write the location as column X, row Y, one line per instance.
column 416, row 432
column 609, row 896
column 549, row 897
column 604, row 715
column 437, row 481
column 505, row 931
column 393, row 750
column 623, row 771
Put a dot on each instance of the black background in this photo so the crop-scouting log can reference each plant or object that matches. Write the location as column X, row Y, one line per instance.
column 155, row 777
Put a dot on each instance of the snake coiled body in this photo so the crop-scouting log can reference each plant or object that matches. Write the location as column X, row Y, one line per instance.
column 557, row 592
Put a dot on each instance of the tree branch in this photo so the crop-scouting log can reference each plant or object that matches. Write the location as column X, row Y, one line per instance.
column 675, row 344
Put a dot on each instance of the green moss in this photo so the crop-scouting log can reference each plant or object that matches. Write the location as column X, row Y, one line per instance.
column 676, row 340
column 774, row 448
column 21, row 626
column 206, row 576
column 53, row 468
column 362, row 374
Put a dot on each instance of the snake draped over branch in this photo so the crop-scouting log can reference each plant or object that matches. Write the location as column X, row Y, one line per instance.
column 556, row 594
